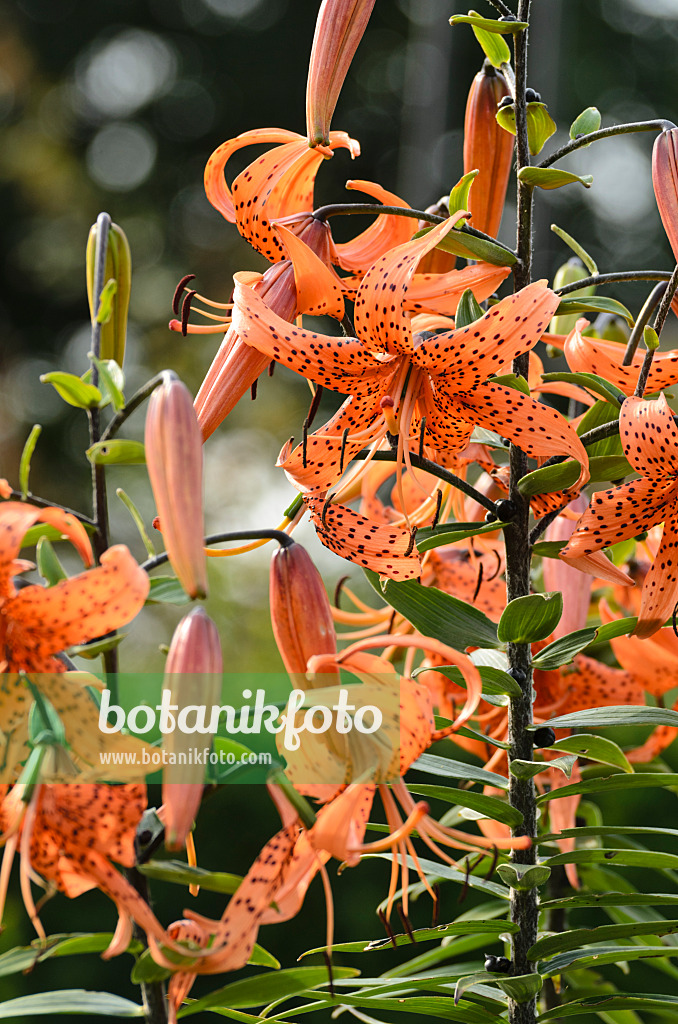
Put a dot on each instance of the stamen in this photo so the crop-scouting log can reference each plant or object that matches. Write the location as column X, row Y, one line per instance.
column 387, row 927
column 253, row 388
column 410, row 546
column 422, row 432
column 315, row 404
column 495, row 858
column 675, row 618
column 304, row 445
column 186, row 311
column 271, row 367
column 391, row 621
column 387, row 406
column 328, row 964
column 338, row 589
column 179, row 291
column 407, row 927
column 436, row 905
column 498, row 569
column 478, row 583
column 342, row 453
column 192, row 861
column 436, row 514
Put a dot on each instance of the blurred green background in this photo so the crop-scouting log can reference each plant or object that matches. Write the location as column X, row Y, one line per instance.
column 116, row 105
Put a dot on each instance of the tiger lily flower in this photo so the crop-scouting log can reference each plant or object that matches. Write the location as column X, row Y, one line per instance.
column 69, row 835
column 594, row 355
column 433, row 386
column 38, row 622
column 650, row 441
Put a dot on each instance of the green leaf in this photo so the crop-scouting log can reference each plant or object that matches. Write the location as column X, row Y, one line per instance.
column 565, row 941
column 489, row 806
column 579, row 250
column 24, row 958
column 588, row 121
column 598, row 956
column 528, row 769
column 178, row 873
column 592, row 382
column 117, row 453
column 565, row 474
column 626, row 1001
column 495, row 681
column 595, row 748
column 540, row 128
column 610, row 899
column 524, row 877
column 491, row 929
column 551, row 177
column 563, row 650
column 26, row 456
column 522, row 987
column 621, row 714
column 468, row 309
column 584, row 831
column 450, row 533
column 147, row 970
column 449, row 769
column 512, row 380
column 72, row 389
column 594, row 304
column 624, row 857
column 437, row 614
column 49, row 566
column 97, row 647
column 548, row 549
column 531, row 618
column 265, row 988
column 69, row 1000
column 33, row 535
column 429, row 1006
column 469, row 246
column 489, row 24
column 612, row 783
column 166, row 590
column 111, row 382
column 459, row 201
column 492, row 44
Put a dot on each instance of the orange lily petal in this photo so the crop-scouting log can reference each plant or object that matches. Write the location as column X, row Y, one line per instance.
column 379, row 316
column 598, row 565
column 216, row 188
column 44, row 620
column 591, row 684
column 318, row 289
column 654, row 662
column 594, row 355
column 446, row 426
column 649, row 436
column 385, row 549
column 660, row 589
column 510, row 328
column 440, row 293
column 388, row 230
column 16, row 517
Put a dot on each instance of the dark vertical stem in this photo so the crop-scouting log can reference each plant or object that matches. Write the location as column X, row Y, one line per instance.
column 524, row 905
column 152, row 992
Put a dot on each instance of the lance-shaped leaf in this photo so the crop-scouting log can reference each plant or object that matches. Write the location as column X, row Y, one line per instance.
column 592, row 382
column 524, row 877
column 528, row 769
column 588, row 121
column 531, row 618
column 117, row 453
column 595, row 304
column 565, row 474
column 552, row 177
column 563, row 650
column 72, row 389
column 540, row 128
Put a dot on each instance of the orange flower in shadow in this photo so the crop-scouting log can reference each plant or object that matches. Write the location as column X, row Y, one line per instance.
column 37, row 622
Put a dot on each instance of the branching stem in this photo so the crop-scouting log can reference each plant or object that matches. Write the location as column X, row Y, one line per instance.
column 658, row 125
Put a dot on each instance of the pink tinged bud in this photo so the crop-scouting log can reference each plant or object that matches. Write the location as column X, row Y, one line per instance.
column 300, row 614
column 174, row 462
column 487, row 149
column 558, row 575
column 338, row 30
column 665, row 183
column 193, row 674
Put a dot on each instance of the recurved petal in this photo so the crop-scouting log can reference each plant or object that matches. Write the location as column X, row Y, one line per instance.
column 339, row 364
column 650, row 438
column 318, row 288
column 469, row 355
column 620, row 513
column 16, row 517
column 44, row 620
column 387, row 550
column 596, row 564
column 380, row 320
column 388, row 230
column 654, row 662
column 535, row 428
column 591, row 684
column 218, row 192
column 660, row 589
column 440, row 293
column 594, row 355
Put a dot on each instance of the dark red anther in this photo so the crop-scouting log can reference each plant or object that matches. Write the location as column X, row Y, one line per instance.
column 179, row 291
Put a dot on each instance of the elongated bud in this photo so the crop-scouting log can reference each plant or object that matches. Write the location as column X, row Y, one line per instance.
column 174, row 461
column 665, row 183
column 300, row 614
column 119, row 269
column 338, row 30
column 487, row 148
column 193, row 678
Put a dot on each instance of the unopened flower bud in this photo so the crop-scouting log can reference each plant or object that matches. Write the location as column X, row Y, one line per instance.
column 568, row 273
column 665, row 183
column 487, row 148
column 118, row 268
column 174, row 461
column 338, row 30
column 300, row 614
column 193, row 677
